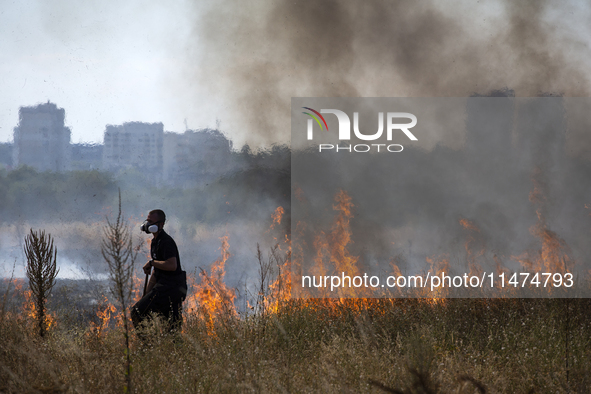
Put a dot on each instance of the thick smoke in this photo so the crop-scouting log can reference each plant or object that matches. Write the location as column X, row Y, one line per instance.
column 255, row 58
column 510, row 196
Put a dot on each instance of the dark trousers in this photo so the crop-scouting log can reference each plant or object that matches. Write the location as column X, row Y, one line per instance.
column 162, row 300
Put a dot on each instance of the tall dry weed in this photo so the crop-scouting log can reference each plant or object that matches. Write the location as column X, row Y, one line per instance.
column 41, row 271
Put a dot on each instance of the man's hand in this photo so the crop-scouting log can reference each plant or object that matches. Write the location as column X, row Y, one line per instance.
column 148, row 268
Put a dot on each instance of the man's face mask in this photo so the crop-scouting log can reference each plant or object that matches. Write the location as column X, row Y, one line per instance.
column 149, row 228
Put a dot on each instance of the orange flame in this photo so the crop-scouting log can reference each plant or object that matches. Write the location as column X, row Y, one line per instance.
column 341, row 236
column 554, row 254
column 437, row 267
column 468, row 225
column 280, row 289
column 332, row 250
column 104, row 313
column 212, row 297
column 30, row 309
column 277, row 215
column 473, row 242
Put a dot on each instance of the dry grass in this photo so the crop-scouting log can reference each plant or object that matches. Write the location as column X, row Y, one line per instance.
column 404, row 346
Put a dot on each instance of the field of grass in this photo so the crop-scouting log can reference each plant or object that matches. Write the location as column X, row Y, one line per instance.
column 398, row 346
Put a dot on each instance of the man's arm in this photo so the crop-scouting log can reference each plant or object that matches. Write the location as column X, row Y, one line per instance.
column 168, row 265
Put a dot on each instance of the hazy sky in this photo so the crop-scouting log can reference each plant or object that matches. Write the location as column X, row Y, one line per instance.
column 108, row 62
column 104, row 62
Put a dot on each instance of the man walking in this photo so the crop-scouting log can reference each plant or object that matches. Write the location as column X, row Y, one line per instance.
column 167, row 287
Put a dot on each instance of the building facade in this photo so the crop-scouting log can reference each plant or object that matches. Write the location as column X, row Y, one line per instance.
column 134, row 145
column 86, row 157
column 6, row 155
column 41, row 140
column 195, row 157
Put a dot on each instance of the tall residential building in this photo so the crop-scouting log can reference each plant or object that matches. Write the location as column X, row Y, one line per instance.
column 195, row 157
column 41, row 140
column 134, row 145
column 86, row 157
column 6, row 155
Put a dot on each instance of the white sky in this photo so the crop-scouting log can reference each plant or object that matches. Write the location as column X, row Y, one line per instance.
column 106, row 62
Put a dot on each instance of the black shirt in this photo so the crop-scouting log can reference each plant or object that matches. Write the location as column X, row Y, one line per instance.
column 162, row 248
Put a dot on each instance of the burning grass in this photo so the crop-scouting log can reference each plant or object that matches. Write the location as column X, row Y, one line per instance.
column 313, row 345
column 409, row 345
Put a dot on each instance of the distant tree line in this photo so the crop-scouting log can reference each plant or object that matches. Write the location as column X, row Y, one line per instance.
column 256, row 182
column 26, row 194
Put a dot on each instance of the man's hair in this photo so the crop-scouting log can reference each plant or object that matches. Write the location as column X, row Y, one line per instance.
column 160, row 213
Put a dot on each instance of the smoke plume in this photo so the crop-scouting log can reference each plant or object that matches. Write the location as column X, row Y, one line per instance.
column 254, row 58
